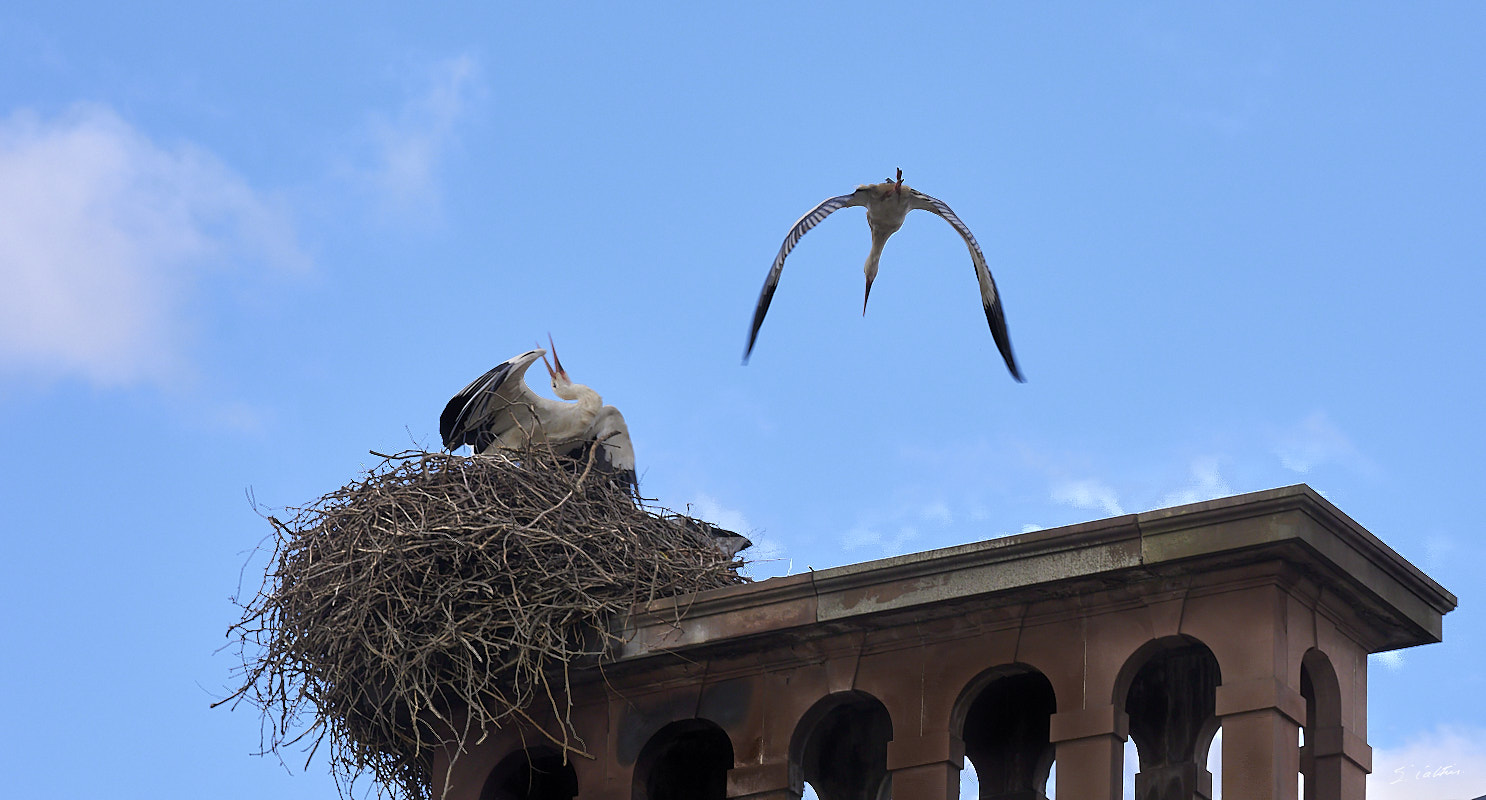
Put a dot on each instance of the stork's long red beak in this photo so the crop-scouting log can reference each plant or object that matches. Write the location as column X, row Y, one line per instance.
column 866, row 295
column 555, row 359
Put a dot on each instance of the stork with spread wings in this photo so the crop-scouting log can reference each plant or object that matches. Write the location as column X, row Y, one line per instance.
column 888, row 204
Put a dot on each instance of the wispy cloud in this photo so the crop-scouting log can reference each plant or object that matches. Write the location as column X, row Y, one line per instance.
column 410, row 145
column 937, row 512
column 1393, row 660
column 103, row 234
column 865, row 537
column 1088, row 494
column 1316, row 441
column 1206, row 484
column 765, row 548
column 1448, row 764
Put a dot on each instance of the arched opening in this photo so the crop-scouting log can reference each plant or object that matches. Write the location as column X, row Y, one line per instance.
column 536, row 774
column 839, row 749
column 1003, row 718
column 1320, row 738
column 1170, row 690
column 685, row 760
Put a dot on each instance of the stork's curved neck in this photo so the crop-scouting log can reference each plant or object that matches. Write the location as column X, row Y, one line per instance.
column 588, row 400
column 879, row 239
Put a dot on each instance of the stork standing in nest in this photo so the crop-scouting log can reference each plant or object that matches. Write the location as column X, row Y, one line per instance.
column 888, row 204
column 498, row 411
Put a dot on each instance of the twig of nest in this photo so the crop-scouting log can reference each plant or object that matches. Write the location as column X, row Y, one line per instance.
column 446, row 596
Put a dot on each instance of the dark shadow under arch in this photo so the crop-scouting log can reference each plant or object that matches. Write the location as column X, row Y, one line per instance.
column 839, row 747
column 1003, row 717
column 685, row 760
column 534, row 774
column 1170, row 693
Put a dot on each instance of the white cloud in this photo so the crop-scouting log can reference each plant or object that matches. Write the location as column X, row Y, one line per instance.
column 1439, row 552
column 1088, row 494
column 1215, row 763
column 410, row 146
column 969, row 782
column 103, row 233
column 1030, row 527
column 1313, row 442
column 863, row 537
column 1393, row 660
column 1445, row 764
column 1206, row 484
column 708, row 508
column 937, row 512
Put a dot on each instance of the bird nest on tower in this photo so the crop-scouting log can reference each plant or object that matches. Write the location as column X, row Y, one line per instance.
column 440, row 597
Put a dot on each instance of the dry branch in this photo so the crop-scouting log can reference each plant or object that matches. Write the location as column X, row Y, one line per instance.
column 443, row 595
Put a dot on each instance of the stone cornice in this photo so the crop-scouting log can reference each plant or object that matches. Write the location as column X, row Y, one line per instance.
column 1293, row 525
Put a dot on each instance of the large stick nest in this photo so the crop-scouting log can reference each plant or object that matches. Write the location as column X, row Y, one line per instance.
column 446, row 596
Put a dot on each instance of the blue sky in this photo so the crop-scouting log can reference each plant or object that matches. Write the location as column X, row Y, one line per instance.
column 240, row 247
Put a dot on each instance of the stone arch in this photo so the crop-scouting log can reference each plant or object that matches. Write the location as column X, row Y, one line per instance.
column 1321, row 690
column 1003, row 717
column 537, row 773
column 1168, row 690
column 1320, row 758
column 686, row 760
column 839, row 747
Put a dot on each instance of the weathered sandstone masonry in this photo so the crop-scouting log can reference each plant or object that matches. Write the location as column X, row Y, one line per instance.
column 1255, row 613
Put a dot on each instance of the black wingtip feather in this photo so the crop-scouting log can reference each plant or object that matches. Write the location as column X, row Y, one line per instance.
column 765, row 297
column 447, row 421
column 997, row 320
column 452, row 423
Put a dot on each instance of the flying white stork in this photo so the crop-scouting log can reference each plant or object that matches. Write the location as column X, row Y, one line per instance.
column 499, row 411
column 888, row 204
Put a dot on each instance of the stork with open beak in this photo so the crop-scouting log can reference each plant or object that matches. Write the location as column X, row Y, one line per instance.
column 499, row 411
column 888, row 204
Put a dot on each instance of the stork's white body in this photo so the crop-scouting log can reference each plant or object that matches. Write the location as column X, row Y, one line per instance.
column 498, row 411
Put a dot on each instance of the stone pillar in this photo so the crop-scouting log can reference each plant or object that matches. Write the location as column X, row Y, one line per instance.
column 926, row 767
column 1339, row 762
column 761, row 782
column 1090, row 752
column 1186, row 780
column 1261, row 720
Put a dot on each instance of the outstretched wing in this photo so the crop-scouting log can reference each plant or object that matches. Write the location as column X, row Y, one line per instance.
column 995, row 317
column 803, row 226
column 480, row 412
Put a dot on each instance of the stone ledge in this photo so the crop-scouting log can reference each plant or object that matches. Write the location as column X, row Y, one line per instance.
column 1291, row 524
column 939, row 747
column 1339, row 742
column 1089, row 722
column 1259, row 694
